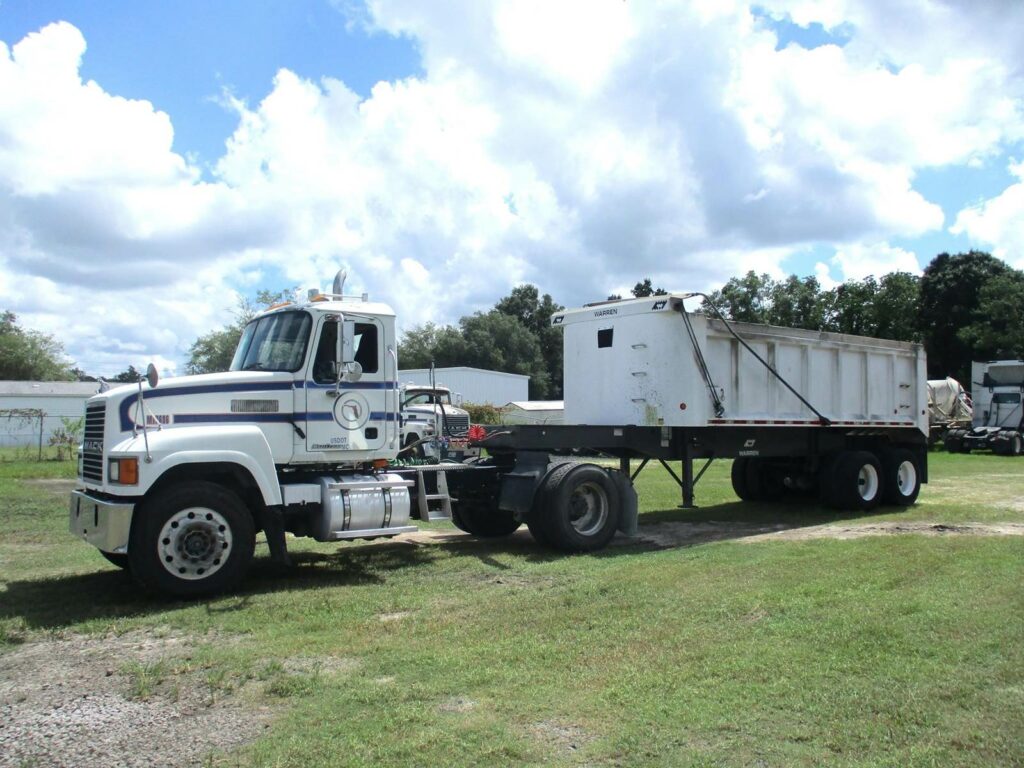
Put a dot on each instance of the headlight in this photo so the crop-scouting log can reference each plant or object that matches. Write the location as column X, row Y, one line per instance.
column 124, row 471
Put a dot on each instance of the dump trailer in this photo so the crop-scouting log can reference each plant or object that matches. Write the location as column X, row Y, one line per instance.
column 302, row 436
column 998, row 420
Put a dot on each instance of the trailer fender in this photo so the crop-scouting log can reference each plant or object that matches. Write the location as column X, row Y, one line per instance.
column 519, row 487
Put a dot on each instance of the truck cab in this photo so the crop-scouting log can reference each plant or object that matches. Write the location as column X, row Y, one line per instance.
column 174, row 474
column 997, row 387
column 432, row 424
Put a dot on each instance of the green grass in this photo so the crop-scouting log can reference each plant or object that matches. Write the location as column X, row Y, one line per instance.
column 898, row 650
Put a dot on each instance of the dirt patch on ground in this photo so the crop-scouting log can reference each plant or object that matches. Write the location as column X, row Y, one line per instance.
column 680, row 534
column 132, row 700
column 889, row 529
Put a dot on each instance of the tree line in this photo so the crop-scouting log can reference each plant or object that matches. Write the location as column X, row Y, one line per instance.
column 964, row 307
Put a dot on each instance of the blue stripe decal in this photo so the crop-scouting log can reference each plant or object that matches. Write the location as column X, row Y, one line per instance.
column 266, row 418
column 266, row 386
column 351, row 385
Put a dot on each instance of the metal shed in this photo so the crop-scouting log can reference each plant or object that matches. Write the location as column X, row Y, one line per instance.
column 54, row 399
column 476, row 385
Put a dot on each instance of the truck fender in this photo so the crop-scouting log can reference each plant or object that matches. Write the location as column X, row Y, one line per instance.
column 244, row 445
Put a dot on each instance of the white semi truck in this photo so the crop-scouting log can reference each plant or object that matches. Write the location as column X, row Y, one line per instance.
column 998, row 420
column 433, row 426
column 301, row 436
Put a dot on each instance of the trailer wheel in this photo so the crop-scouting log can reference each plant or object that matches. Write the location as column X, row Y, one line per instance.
column 764, row 483
column 484, row 520
column 855, row 482
column 739, row 478
column 582, row 513
column 194, row 539
column 901, row 477
column 116, row 558
column 537, row 520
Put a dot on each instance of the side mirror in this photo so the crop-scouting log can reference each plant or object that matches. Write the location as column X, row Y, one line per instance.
column 348, row 342
column 152, row 377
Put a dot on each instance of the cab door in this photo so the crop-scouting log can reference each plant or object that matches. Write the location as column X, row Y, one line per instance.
column 350, row 417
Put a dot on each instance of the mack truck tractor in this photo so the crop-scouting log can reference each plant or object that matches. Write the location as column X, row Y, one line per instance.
column 432, row 424
column 998, row 420
column 302, row 436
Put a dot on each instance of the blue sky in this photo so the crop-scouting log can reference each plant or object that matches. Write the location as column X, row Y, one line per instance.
column 580, row 145
column 182, row 55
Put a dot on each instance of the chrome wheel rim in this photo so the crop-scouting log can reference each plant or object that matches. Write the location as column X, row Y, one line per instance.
column 588, row 508
column 906, row 477
column 194, row 543
column 867, row 482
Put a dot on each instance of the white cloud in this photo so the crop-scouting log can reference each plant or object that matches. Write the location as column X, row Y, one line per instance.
column 581, row 146
column 998, row 222
column 859, row 260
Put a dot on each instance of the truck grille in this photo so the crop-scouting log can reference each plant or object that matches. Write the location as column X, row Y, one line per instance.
column 457, row 424
column 92, row 444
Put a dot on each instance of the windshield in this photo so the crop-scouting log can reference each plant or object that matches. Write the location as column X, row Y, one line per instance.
column 273, row 343
column 428, row 398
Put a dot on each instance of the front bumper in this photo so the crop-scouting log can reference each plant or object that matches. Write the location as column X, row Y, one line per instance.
column 104, row 524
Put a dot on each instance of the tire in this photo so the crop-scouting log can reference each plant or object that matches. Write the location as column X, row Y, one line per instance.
column 1016, row 445
column 179, row 540
column 901, row 477
column 855, row 482
column 483, row 520
column 581, row 508
column 537, row 520
column 763, row 484
column 739, row 478
column 116, row 558
column 952, row 443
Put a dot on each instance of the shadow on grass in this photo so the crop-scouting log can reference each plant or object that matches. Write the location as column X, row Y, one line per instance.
column 62, row 601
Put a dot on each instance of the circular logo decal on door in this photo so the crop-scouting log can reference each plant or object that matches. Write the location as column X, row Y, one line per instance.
column 351, row 410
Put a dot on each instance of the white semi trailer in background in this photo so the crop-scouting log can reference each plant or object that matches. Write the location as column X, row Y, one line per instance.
column 301, row 436
column 998, row 419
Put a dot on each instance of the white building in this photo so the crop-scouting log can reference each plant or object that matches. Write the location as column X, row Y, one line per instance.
column 534, row 412
column 474, row 384
column 54, row 399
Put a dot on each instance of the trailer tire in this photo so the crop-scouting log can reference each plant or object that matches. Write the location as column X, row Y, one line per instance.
column 901, row 477
column 763, row 484
column 179, row 537
column 739, row 478
column 116, row 558
column 537, row 520
column 582, row 510
column 855, row 481
column 484, row 520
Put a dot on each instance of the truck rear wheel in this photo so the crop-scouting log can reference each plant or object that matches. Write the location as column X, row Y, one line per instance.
column 580, row 508
column 484, row 520
column 901, row 477
column 853, row 481
column 194, row 539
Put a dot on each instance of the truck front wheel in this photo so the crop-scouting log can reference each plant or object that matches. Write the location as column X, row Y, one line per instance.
column 194, row 539
column 580, row 509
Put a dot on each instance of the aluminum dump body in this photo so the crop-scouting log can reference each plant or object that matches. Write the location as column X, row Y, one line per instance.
column 633, row 363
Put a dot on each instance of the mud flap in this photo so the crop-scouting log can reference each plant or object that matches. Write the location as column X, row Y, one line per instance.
column 628, row 507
